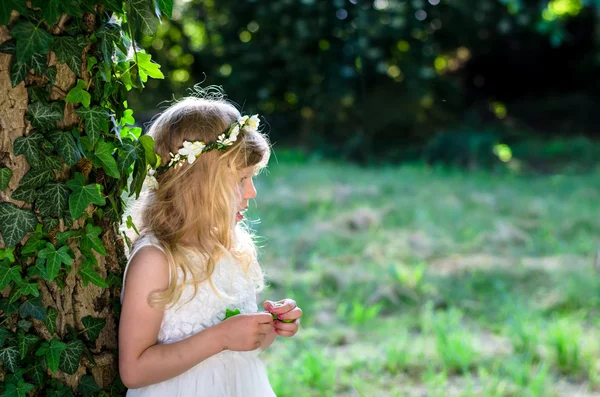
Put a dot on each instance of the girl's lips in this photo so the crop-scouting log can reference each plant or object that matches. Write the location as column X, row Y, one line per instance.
column 239, row 216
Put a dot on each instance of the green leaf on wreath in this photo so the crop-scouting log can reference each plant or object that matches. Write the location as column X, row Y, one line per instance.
column 55, row 258
column 33, row 307
column 78, row 94
column 53, row 199
column 96, row 121
column 31, row 39
column 9, row 356
column 45, row 116
column 89, row 275
column 70, row 357
column 91, row 240
column 104, row 152
column 15, row 223
column 93, row 327
column 83, row 195
column 52, row 350
column 24, row 342
column 5, row 175
column 87, row 386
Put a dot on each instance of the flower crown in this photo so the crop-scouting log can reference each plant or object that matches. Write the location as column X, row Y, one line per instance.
column 192, row 150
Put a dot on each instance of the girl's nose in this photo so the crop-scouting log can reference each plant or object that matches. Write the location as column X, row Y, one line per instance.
column 249, row 190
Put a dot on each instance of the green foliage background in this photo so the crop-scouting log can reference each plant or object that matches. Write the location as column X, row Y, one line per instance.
column 53, row 223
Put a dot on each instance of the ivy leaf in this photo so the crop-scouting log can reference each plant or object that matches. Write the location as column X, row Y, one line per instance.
column 3, row 334
column 63, row 237
column 31, row 39
column 26, row 194
column 127, row 156
column 5, row 175
column 114, row 5
column 9, row 356
column 24, row 325
column 9, row 47
column 51, row 9
column 93, row 327
column 29, row 146
column 147, row 67
column 50, row 162
column 7, row 253
column 87, row 386
column 38, row 372
column 51, row 74
column 18, row 72
column 33, row 307
column 52, row 352
column 8, row 308
column 50, row 320
column 78, row 94
column 49, row 223
column 34, row 243
column 143, row 16
column 54, row 259
column 88, row 274
column 67, row 147
column 139, row 174
column 83, row 195
column 19, row 390
column 91, row 240
column 45, row 116
column 109, row 35
column 53, row 199
column 148, row 144
column 166, row 6
column 70, row 357
column 26, row 288
column 104, row 152
column 39, row 269
column 15, row 223
column 96, row 121
column 6, row 6
column 38, row 63
column 24, row 342
column 37, row 177
column 8, row 274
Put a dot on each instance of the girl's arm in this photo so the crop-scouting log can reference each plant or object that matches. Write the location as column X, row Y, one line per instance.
column 142, row 361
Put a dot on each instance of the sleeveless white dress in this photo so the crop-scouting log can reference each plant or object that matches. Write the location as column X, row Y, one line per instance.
column 228, row 373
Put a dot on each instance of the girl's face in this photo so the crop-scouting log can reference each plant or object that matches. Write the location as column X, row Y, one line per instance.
column 247, row 188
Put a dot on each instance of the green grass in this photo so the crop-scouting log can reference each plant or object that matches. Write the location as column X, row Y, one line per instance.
column 418, row 281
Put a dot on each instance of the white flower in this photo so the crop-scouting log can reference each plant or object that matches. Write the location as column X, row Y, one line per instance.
column 226, row 142
column 242, row 120
column 191, row 150
column 152, row 182
column 151, row 171
column 253, row 123
column 234, row 133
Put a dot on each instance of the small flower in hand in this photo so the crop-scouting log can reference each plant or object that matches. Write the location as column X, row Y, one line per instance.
column 286, row 316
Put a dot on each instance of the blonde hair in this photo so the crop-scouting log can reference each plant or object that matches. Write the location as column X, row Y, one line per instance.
column 198, row 201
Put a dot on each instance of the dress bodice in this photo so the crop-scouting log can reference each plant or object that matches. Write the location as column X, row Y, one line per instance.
column 193, row 313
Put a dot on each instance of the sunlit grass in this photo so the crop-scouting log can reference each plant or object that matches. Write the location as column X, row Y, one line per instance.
column 417, row 281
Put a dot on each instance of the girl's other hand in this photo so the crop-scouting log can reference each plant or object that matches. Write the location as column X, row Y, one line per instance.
column 285, row 309
column 245, row 332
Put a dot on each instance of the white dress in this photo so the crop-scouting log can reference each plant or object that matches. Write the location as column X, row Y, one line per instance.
column 228, row 373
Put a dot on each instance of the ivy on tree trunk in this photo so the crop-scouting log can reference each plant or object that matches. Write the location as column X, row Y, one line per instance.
column 66, row 67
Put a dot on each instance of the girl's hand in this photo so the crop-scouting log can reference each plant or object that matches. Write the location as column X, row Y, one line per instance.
column 287, row 310
column 245, row 332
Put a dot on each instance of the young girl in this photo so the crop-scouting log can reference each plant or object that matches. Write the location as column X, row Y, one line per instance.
column 193, row 261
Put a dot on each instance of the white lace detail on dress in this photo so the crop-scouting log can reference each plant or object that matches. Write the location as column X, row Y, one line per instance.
column 206, row 309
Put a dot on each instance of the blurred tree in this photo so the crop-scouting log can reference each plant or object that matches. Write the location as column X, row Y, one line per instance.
column 363, row 77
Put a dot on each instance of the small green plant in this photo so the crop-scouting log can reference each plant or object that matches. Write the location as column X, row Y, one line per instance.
column 357, row 313
column 524, row 334
column 563, row 339
column 453, row 343
column 317, row 371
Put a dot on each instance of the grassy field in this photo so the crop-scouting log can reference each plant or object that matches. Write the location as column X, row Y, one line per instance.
column 432, row 282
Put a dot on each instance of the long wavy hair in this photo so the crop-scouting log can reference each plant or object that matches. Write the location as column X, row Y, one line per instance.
column 193, row 211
